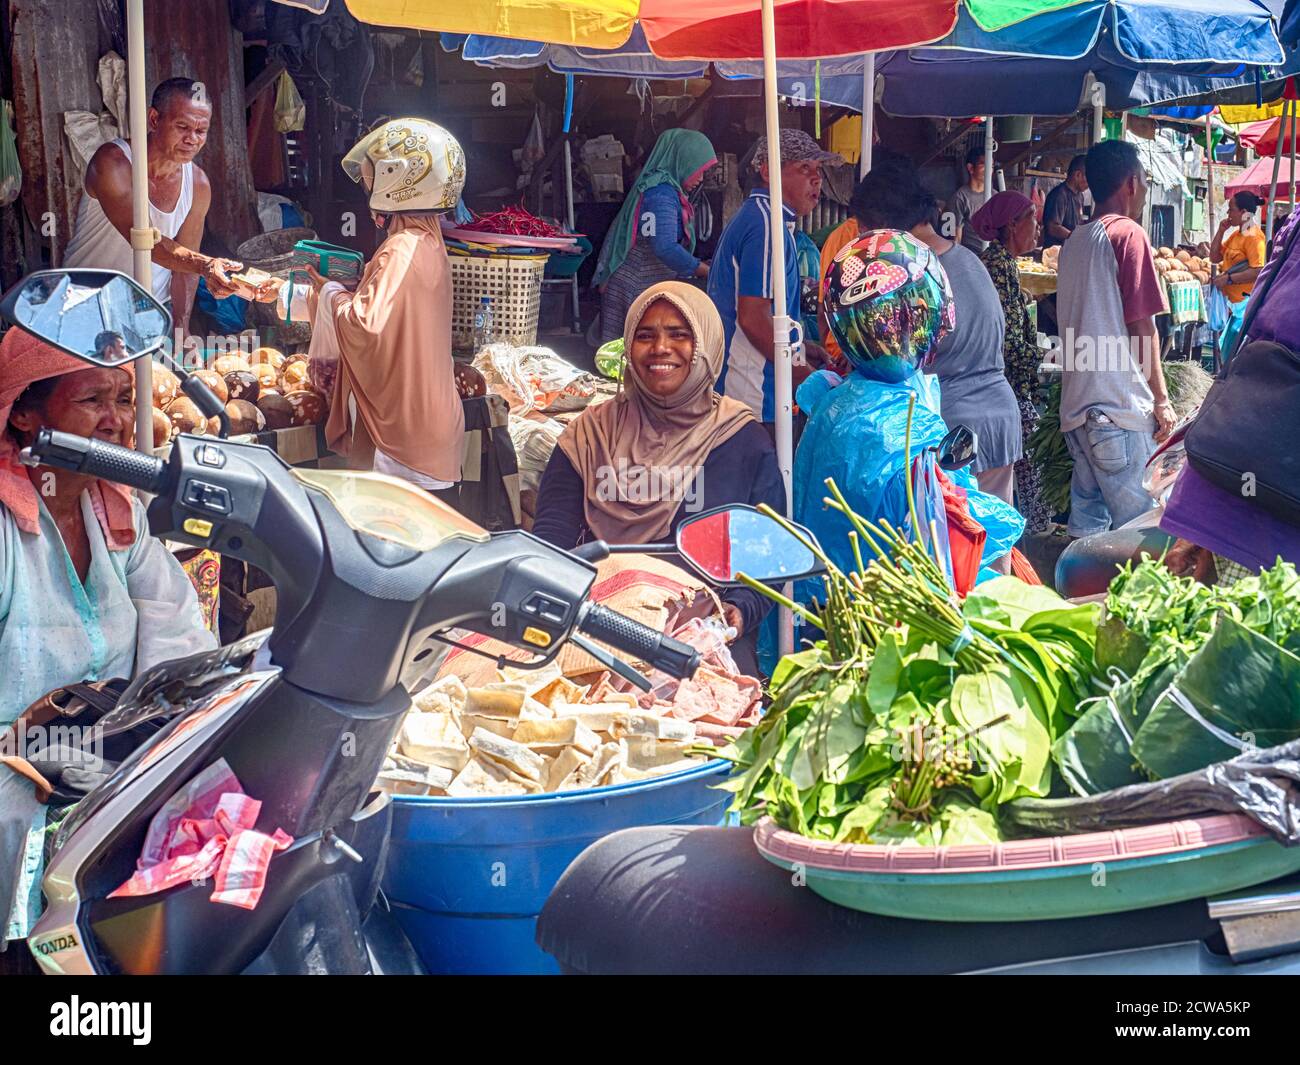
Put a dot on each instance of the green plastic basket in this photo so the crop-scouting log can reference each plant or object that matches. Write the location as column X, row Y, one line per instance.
column 1032, row 880
column 568, row 263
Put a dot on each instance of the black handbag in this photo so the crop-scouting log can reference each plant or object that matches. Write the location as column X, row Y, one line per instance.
column 1244, row 437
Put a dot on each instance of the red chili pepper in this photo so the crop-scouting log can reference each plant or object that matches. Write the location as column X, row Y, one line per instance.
column 513, row 221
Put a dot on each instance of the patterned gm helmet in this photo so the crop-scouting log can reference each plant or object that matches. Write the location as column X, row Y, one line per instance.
column 416, row 165
column 889, row 304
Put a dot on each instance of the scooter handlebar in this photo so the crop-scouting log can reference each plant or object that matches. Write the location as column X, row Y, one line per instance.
column 645, row 644
column 109, row 462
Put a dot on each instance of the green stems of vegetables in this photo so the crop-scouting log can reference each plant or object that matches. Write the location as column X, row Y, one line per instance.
column 903, row 583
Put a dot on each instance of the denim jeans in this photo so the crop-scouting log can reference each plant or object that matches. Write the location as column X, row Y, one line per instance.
column 1109, row 463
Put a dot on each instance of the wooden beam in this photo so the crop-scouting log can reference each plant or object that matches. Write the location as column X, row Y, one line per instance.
column 948, row 141
column 1043, row 145
column 263, row 80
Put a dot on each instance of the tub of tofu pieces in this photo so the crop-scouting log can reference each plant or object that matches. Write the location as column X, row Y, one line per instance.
column 497, row 789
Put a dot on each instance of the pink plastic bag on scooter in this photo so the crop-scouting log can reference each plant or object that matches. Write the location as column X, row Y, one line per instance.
column 206, row 830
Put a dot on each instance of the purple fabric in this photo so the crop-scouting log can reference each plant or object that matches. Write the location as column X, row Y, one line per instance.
column 1228, row 524
column 1001, row 210
column 1276, row 318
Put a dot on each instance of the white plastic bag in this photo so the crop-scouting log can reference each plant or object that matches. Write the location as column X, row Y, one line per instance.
column 290, row 111
column 534, row 378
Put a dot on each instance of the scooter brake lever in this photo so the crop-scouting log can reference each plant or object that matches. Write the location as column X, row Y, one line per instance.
column 620, row 667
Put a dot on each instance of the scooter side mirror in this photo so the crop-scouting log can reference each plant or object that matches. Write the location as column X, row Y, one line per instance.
column 724, row 543
column 100, row 316
column 958, row 448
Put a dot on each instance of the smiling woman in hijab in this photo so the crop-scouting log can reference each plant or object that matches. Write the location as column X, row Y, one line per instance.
column 628, row 471
column 653, row 236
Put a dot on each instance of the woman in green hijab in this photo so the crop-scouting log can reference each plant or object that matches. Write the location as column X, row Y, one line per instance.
column 653, row 237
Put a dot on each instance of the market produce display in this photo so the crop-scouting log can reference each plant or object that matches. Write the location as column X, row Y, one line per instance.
column 1187, row 384
column 1197, row 675
column 263, row 390
column 527, row 736
column 513, row 221
column 1182, row 265
column 915, row 717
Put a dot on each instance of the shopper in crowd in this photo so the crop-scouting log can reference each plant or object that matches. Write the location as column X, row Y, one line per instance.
column 741, row 284
column 1114, row 406
column 853, row 227
column 890, row 303
column 968, row 361
column 668, row 446
column 86, row 593
column 179, row 197
column 1063, row 210
column 963, row 203
column 394, row 403
column 1009, row 223
column 1239, row 249
column 653, row 236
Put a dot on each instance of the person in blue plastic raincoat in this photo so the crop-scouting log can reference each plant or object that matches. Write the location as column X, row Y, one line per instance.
column 888, row 303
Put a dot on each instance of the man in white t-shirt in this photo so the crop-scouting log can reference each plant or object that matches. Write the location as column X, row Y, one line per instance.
column 179, row 197
column 1114, row 407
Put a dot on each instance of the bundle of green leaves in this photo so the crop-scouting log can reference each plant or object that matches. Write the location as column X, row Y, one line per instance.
column 917, row 716
column 1194, row 675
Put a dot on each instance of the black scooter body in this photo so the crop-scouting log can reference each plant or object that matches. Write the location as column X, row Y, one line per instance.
column 310, row 761
column 304, row 715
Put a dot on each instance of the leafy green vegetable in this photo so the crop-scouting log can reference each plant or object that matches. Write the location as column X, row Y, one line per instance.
column 1240, row 689
column 1169, row 645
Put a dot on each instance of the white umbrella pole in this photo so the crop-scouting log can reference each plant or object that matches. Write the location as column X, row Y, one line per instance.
column 1272, row 185
column 780, row 311
column 1209, row 179
column 1293, row 196
column 988, row 158
column 568, row 181
column 142, row 233
column 868, row 113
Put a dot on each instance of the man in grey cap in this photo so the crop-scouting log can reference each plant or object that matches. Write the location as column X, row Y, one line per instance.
column 740, row 280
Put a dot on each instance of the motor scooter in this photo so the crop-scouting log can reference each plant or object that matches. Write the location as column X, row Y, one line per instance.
column 372, row 577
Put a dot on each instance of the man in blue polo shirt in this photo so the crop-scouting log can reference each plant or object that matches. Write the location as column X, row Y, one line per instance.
column 740, row 281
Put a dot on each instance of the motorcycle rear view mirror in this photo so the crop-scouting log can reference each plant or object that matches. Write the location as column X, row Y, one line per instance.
column 99, row 316
column 724, row 543
column 958, row 448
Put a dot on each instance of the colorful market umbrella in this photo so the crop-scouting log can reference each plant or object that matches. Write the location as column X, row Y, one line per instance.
column 1264, row 136
column 1047, row 63
column 1257, row 177
column 683, row 29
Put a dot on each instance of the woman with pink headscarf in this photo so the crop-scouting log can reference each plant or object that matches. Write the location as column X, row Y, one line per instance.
column 86, row 594
column 1009, row 222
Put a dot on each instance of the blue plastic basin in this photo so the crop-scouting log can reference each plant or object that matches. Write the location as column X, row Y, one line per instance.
column 468, row 877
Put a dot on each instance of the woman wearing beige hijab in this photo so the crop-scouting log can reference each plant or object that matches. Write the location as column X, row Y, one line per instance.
column 668, row 446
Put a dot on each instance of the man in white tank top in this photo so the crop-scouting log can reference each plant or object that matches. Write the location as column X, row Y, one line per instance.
column 179, row 197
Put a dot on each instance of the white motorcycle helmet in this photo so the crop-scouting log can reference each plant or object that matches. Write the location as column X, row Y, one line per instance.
column 415, row 165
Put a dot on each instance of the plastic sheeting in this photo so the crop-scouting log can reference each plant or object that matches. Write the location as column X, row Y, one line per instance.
column 1264, row 785
column 856, row 434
